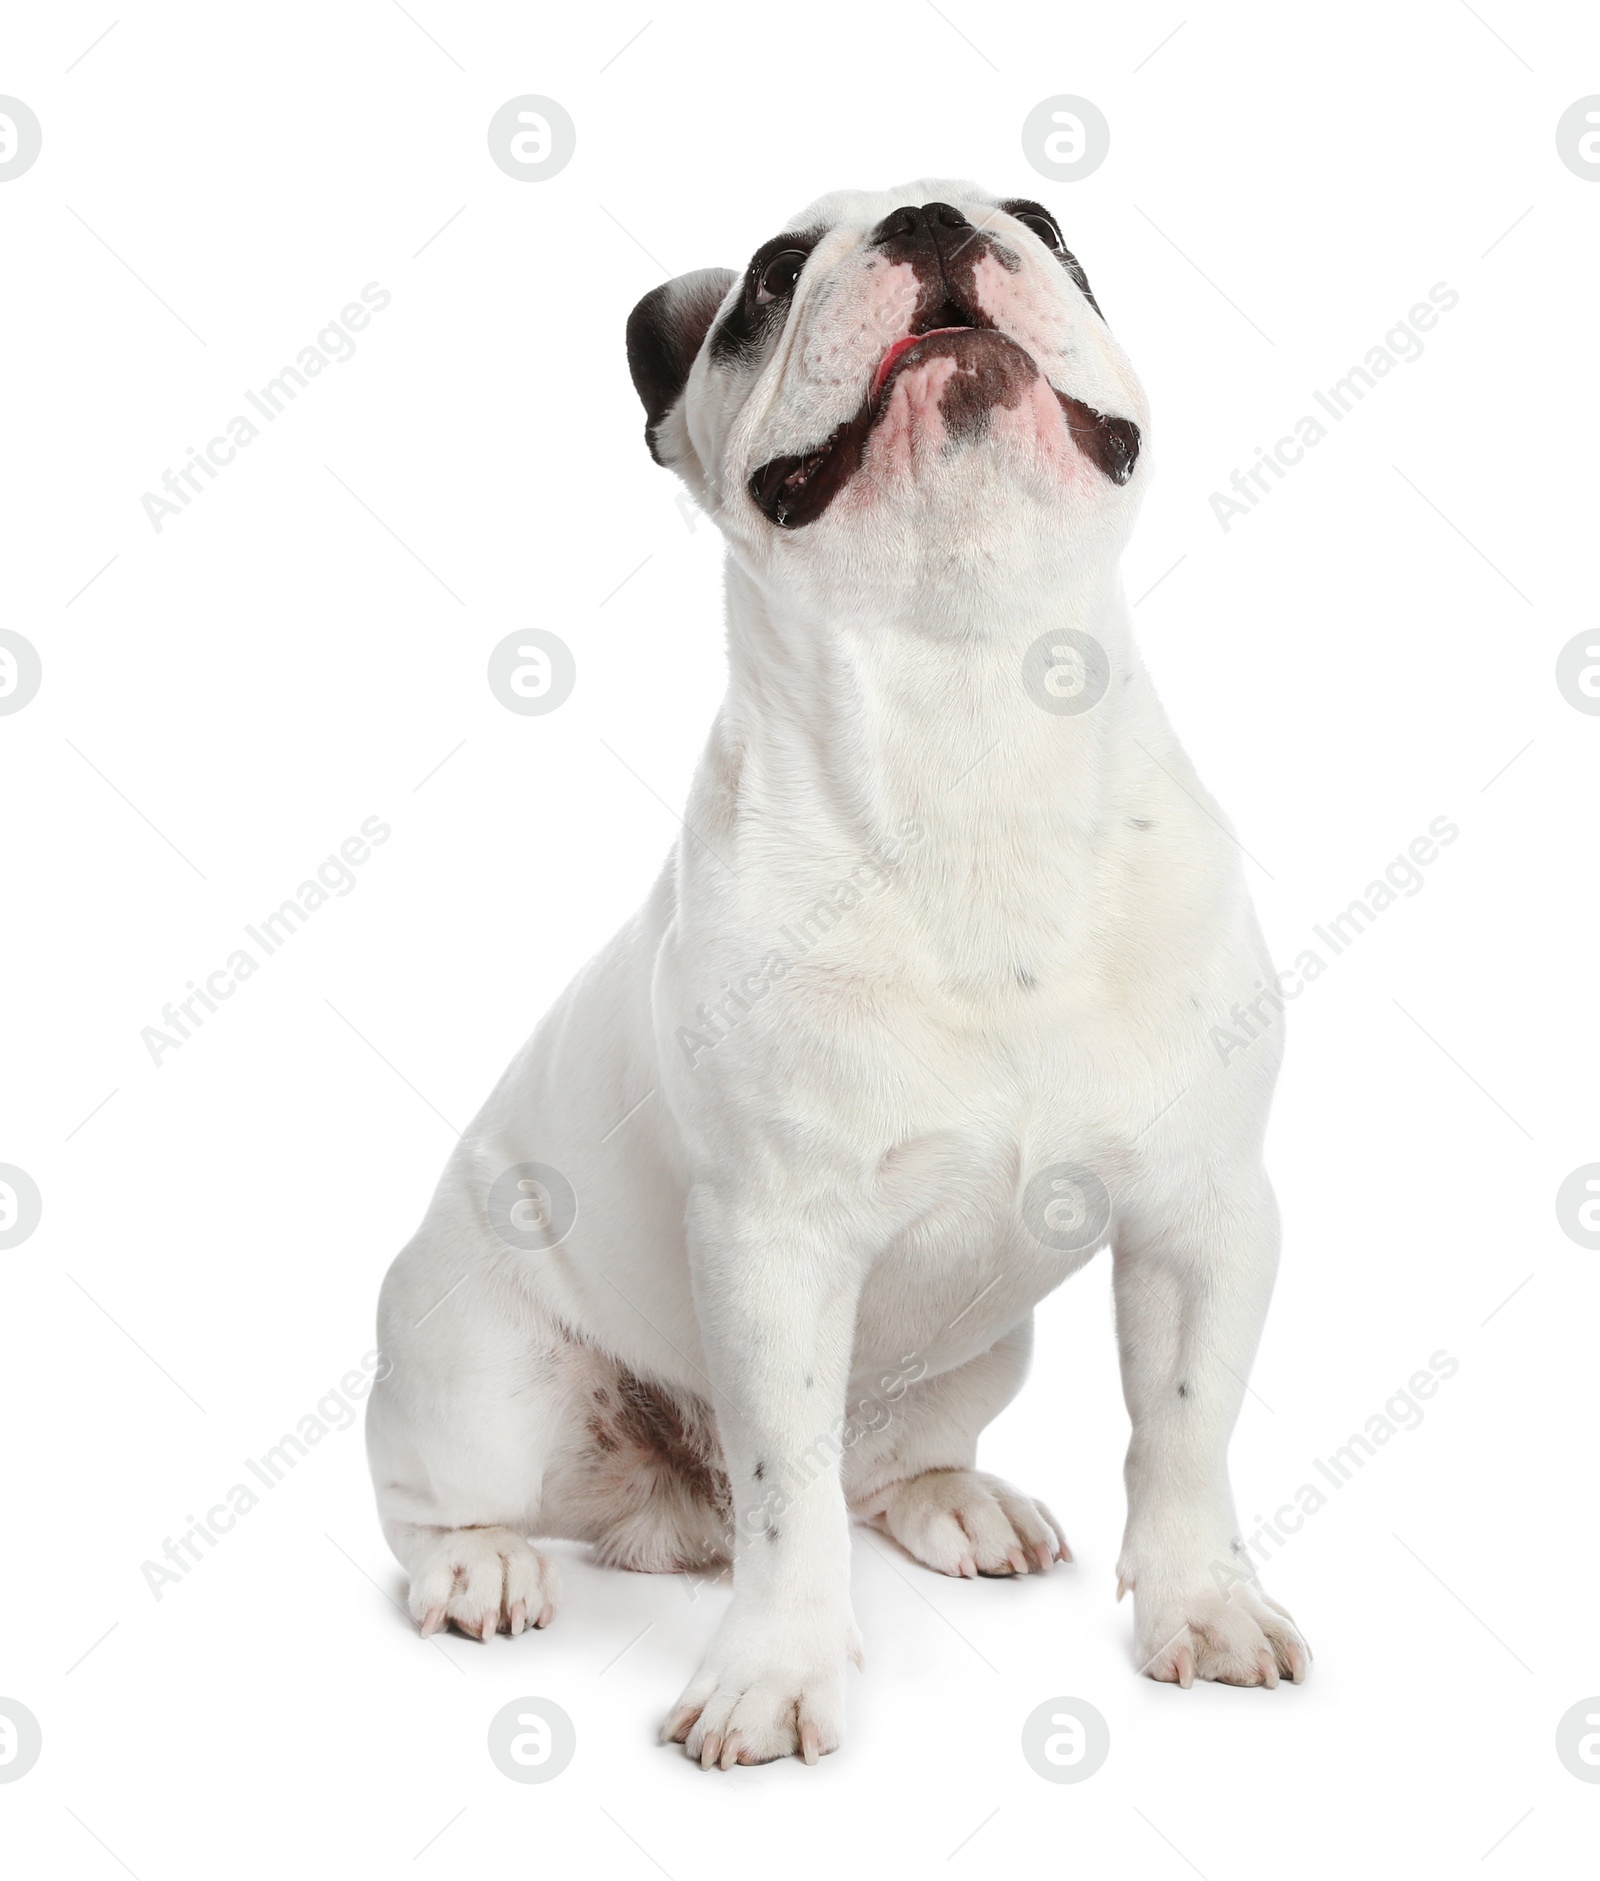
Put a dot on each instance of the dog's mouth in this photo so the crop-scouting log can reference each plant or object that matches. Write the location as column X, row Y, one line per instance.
column 795, row 490
column 949, row 318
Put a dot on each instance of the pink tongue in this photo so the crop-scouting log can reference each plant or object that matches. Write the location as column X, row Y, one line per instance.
column 900, row 347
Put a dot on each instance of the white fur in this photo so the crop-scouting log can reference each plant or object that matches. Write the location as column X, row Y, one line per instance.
column 822, row 1211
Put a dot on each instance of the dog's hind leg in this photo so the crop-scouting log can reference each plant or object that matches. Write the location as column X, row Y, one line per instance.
column 471, row 1408
column 911, row 1471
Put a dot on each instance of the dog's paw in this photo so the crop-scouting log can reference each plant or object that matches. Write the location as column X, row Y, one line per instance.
column 963, row 1522
column 1236, row 1638
column 480, row 1580
column 764, row 1693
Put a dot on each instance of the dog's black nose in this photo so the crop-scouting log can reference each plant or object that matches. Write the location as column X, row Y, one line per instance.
column 926, row 220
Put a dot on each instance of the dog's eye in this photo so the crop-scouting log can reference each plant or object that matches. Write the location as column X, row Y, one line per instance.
column 1044, row 228
column 779, row 276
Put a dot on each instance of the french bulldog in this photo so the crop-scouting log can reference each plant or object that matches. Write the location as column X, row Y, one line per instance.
column 747, row 1240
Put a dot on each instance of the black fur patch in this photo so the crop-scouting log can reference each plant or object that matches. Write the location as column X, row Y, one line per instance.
column 665, row 333
column 1112, row 444
column 990, row 370
column 747, row 326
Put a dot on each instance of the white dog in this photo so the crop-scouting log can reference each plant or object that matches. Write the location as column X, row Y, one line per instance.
column 749, row 1236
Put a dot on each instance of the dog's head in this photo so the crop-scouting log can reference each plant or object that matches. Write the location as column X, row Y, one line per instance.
column 923, row 365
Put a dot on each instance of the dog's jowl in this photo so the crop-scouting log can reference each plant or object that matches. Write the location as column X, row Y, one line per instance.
column 914, row 1022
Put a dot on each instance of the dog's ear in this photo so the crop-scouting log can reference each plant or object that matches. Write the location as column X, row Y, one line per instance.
column 665, row 332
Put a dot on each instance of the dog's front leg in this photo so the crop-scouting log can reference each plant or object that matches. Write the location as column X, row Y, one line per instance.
column 1193, row 1272
column 776, row 1297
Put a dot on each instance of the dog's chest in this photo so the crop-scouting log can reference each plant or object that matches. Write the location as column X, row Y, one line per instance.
column 1001, row 1222
column 1003, row 1054
column 1007, row 1113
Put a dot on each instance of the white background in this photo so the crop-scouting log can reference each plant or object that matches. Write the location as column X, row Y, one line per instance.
column 1364, row 652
